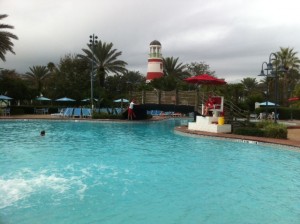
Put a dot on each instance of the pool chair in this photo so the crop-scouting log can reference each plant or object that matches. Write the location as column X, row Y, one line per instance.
column 77, row 112
column 68, row 112
column 86, row 112
column 60, row 113
column 118, row 111
column 155, row 112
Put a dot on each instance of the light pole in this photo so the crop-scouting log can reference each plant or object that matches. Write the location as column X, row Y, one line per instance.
column 93, row 41
column 262, row 73
column 274, row 74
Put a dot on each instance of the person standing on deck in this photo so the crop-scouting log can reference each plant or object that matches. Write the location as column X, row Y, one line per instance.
column 130, row 110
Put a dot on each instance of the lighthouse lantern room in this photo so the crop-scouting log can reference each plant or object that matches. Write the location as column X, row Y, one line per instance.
column 155, row 62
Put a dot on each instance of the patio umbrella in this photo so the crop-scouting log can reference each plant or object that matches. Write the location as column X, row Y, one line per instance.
column 41, row 98
column 268, row 103
column 293, row 99
column 88, row 100
column 121, row 100
column 65, row 99
column 205, row 79
column 3, row 97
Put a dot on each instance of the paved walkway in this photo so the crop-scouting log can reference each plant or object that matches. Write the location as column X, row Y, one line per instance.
column 287, row 142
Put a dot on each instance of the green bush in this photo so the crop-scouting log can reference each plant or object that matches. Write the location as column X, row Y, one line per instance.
column 267, row 129
column 250, row 131
column 264, row 123
column 276, row 131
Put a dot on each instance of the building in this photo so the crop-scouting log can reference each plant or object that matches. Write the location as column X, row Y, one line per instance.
column 155, row 62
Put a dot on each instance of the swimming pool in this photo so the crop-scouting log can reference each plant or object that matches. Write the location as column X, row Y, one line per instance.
column 89, row 172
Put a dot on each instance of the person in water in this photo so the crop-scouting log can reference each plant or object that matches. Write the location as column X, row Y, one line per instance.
column 43, row 133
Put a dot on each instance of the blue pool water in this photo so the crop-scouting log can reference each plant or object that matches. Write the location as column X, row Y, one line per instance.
column 86, row 172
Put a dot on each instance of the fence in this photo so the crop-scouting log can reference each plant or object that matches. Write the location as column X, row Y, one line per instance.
column 190, row 98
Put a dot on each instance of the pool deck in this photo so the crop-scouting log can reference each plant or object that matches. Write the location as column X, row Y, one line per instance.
column 293, row 136
column 293, row 130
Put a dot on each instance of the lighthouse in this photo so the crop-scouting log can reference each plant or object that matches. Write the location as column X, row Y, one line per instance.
column 155, row 62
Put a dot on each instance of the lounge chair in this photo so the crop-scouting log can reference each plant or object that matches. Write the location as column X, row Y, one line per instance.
column 77, row 112
column 118, row 111
column 68, row 112
column 5, row 111
column 86, row 112
column 60, row 113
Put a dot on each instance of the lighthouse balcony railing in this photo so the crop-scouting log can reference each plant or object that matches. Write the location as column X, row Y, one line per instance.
column 155, row 55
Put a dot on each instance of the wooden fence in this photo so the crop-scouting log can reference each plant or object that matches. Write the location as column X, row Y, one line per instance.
column 190, row 98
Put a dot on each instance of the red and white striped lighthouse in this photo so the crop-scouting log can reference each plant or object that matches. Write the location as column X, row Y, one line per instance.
column 155, row 62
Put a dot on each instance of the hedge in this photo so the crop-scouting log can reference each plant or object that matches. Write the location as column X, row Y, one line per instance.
column 264, row 129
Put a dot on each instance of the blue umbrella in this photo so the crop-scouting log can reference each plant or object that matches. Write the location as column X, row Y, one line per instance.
column 41, row 98
column 2, row 97
column 65, row 99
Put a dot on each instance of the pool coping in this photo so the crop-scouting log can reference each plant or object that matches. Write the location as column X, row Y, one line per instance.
column 241, row 138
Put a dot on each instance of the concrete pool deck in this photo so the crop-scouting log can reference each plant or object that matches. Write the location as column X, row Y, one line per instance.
column 293, row 136
column 293, row 129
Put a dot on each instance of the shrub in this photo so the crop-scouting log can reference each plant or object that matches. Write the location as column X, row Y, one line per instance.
column 251, row 131
column 267, row 129
column 276, row 131
column 264, row 123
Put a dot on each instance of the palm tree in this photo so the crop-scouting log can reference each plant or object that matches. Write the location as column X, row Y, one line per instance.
column 288, row 58
column 105, row 60
column 172, row 68
column 250, row 85
column 37, row 76
column 5, row 39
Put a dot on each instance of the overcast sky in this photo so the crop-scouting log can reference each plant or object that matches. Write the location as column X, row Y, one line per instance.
column 233, row 36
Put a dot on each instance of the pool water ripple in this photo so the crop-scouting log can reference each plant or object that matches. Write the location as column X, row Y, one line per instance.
column 141, row 173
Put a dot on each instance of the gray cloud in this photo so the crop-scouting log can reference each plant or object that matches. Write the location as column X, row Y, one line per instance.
column 234, row 36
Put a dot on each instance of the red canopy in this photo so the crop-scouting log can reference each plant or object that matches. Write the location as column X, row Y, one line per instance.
column 205, row 79
column 293, row 99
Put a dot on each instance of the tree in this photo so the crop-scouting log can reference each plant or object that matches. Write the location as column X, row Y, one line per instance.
column 296, row 92
column 14, row 86
column 51, row 67
column 71, row 77
column 250, row 85
column 196, row 68
column 173, row 68
column 288, row 58
column 105, row 60
column 37, row 77
column 5, row 39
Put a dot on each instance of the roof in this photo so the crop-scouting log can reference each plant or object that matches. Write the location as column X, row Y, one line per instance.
column 155, row 42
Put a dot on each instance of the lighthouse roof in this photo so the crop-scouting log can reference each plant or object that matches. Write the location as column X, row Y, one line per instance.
column 155, row 42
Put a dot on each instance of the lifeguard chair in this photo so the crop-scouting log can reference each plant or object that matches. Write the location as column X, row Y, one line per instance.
column 218, row 105
column 213, row 123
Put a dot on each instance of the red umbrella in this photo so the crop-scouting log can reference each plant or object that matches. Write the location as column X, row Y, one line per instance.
column 205, row 79
column 293, row 99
